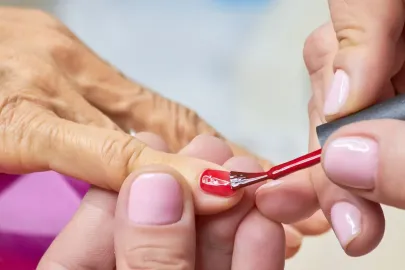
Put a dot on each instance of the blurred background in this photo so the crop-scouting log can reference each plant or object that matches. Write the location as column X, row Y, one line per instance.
column 240, row 59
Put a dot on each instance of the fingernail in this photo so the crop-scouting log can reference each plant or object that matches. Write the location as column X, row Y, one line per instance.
column 216, row 182
column 346, row 222
column 155, row 199
column 352, row 162
column 338, row 93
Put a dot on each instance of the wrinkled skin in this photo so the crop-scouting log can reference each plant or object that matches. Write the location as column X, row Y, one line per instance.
column 63, row 108
column 237, row 239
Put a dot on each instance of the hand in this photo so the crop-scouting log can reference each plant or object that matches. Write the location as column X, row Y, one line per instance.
column 237, row 239
column 64, row 109
column 57, row 94
column 354, row 61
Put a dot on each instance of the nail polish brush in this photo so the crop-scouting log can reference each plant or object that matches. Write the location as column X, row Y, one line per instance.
column 393, row 108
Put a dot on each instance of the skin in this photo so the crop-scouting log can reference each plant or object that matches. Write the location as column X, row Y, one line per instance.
column 365, row 39
column 220, row 241
column 56, row 94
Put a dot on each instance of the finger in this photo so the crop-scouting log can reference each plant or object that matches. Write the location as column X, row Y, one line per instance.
column 215, row 241
column 320, row 50
column 81, row 111
column 240, row 151
column 152, row 140
column 259, row 244
column 208, row 148
column 293, row 239
column 370, row 160
column 154, row 226
column 315, row 225
column 370, row 52
column 368, row 226
column 99, row 156
column 79, row 245
column 217, row 232
column 288, row 200
column 293, row 198
column 357, row 223
column 135, row 106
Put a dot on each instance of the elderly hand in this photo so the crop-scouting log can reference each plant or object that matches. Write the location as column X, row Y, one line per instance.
column 155, row 227
column 62, row 108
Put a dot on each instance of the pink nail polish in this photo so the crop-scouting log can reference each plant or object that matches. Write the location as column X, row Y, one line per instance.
column 346, row 222
column 155, row 199
column 338, row 93
column 352, row 162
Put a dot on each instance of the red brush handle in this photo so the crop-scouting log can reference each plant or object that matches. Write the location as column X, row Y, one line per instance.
column 294, row 165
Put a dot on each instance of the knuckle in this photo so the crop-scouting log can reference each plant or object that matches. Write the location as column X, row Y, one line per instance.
column 62, row 47
column 122, row 154
column 348, row 28
column 319, row 45
column 9, row 116
column 17, row 129
column 152, row 257
column 350, row 34
column 373, row 25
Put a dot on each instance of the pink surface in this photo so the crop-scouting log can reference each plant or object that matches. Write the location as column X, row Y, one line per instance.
column 33, row 210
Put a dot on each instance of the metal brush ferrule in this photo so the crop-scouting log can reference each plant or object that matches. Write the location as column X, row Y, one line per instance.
column 241, row 179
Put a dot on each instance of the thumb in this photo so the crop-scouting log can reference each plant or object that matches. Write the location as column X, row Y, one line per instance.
column 155, row 226
column 368, row 32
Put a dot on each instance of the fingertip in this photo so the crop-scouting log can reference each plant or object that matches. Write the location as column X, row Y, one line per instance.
column 154, row 186
column 315, row 225
column 352, row 87
column 208, row 148
column 368, row 33
column 370, row 236
column 259, row 244
column 192, row 169
column 210, row 204
column 291, row 252
column 293, row 237
column 152, row 140
column 154, row 220
column 288, row 200
column 249, row 164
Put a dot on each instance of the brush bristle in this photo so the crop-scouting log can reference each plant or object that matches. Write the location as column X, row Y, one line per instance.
column 243, row 179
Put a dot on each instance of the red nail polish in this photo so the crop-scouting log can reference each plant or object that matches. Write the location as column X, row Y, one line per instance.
column 216, row 182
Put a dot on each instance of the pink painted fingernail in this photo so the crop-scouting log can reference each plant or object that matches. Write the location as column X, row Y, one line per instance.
column 346, row 222
column 352, row 162
column 155, row 199
column 338, row 93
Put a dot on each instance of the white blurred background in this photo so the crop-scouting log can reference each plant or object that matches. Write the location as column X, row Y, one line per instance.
column 240, row 60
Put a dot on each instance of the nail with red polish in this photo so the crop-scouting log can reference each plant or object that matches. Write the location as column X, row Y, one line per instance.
column 216, row 182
